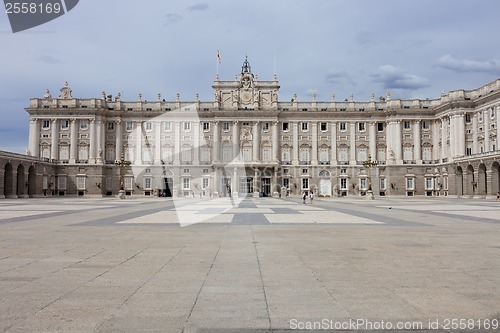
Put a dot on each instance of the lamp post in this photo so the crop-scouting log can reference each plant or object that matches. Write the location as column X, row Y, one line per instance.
column 122, row 162
column 369, row 163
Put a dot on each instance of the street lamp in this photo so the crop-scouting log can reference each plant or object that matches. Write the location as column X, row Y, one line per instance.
column 122, row 162
column 369, row 163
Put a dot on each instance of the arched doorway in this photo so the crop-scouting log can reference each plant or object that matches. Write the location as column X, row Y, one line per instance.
column 325, row 184
column 21, row 187
column 471, row 183
column 8, row 183
column 482, row 186
column 495, row 178
column 31, row 181
column 460, row 181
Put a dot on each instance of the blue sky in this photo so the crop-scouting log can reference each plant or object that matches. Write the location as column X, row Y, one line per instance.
column 414, row 49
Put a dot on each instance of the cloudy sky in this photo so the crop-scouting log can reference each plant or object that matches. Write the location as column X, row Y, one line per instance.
column 412, row 48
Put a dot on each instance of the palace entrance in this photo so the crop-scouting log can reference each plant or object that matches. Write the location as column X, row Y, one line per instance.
column 168, row 187
column 246, row 186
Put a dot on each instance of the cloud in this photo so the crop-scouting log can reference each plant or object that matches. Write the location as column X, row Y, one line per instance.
column 198, row 6
column 172, row 18
column 395, row 78
column 47, row 59
column 336, row 76
column 468, row 65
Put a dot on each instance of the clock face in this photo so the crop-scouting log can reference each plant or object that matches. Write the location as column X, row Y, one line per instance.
column 246, row 96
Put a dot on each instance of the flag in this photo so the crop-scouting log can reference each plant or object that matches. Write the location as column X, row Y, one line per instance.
column 218, row 56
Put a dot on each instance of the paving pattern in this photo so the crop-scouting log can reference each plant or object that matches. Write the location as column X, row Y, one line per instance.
column 254, row 265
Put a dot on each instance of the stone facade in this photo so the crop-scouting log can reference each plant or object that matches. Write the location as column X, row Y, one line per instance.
column 247, row 142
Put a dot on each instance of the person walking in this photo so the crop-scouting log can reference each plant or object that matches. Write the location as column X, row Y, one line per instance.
column 304, row 197
column 311, row 197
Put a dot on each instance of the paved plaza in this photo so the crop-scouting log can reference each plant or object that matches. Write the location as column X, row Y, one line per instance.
column 252, row 265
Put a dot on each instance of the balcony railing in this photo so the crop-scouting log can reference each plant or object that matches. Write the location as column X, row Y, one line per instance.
column 324, row 162
column 304, row 162
column 286, row 162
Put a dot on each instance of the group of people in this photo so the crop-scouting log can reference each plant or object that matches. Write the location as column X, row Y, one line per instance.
column 305, row 195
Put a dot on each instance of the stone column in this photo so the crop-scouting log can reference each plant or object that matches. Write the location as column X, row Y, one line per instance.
column 397, row 142
column 34, row 138
column 236, row 140
column 216, row 143
column 352, row 144
column 295, row 151
column 100, row 140
column 157, row 160
column 276, row 144
column 486, row 122
column 177, row 143
column 444, row 139
column 373, row 140
column 417, row 142
column 256, row 188
column 256, row 142
column 73, row 149
column 138, row 143
column 333, row 139
column 389, row 142
column 92, row 148
column 475, row 141
column 118, row 140
column 234, row 185
column 453, row 133
column 460, row 135
column 54, row 145
column 196, row 144
column 314, row 157
column 435, row 140
column 497, row 115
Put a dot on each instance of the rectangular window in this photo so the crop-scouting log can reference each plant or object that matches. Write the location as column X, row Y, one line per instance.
column 80, row 182
column 480, row 116
column 149, row 126
column 286, row 183
column 426, row 124
column 206, row 126
column 305, row 171
column 247, row 154
column 205, row 155
column 361, row 127
column 343, row 127
column 64, row 124
column 61, row 183
column 128, row 183
column 407, row 124
column 323, row 155
column 286, row 171
column 380, row 127
column 167, row 155
column 46, row 124
column 205, row 171
column 129, row 126
column 265, row 126
column 363, row 184
column 205, row 183
column 225, row 126
column 429, row 183
column 343, row 184
column 382, row 184
column 63, row 153
column 186, row 154
column 167, row 126
column 266, row 154
column 187, row 126
column 147, row 183
column 468, row 118
column 305, row 183
column 185, row 183
column 286, row 127
column 84, row 124
column 305, row 126
column 323, row 127
column 285, row 154
column 468, row 151
column 410, row 185
column 111, row 126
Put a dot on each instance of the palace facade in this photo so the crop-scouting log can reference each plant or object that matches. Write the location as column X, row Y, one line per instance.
column 245, row 142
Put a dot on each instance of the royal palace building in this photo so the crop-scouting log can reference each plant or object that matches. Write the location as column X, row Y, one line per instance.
column 245, row 142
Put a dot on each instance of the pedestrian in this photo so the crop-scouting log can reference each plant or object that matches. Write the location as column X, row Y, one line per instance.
column 498, row 196
column 304, row 196
column 311, row 197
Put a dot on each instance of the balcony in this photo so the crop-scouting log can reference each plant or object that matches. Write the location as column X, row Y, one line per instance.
column 324, row 162
column 304, row 162
column 286, row 162
column 343, row 162
column 409, row 162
